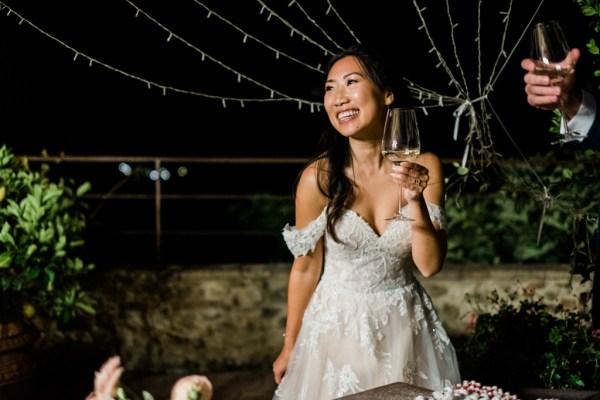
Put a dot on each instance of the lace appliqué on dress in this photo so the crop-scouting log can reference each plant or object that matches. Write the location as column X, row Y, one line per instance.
column 301, row 241
column 342, row 381
column 437, row 214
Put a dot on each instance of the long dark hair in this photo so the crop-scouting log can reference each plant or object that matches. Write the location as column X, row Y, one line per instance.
column 333, row 151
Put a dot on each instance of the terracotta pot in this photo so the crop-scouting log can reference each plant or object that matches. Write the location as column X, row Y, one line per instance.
column 17, row 359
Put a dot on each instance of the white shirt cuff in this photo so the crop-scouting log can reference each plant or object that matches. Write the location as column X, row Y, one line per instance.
column 584, row 119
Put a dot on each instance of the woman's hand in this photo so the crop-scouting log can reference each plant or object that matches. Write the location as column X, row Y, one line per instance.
column 107, row 380
column 412, row 177
column 199, row 384
column 280, row 365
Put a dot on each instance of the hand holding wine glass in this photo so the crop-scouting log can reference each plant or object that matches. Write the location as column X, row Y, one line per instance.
column 549, row 49
column 400, row 143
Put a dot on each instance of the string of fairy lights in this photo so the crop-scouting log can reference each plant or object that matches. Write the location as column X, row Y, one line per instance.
column 274, row 95
column 479, row 147
column 478, row 141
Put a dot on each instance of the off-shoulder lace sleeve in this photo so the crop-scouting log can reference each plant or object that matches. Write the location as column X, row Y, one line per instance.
column 437, row 214
column 301, row 241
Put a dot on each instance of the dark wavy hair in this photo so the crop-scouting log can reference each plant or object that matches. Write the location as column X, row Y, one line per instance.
column 333, row 151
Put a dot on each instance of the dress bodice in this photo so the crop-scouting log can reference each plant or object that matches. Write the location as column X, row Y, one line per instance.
column 387, row 256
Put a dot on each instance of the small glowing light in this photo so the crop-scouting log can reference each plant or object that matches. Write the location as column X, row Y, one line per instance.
column 165, row 174
column 154, row 175
column 125, row 169
column 182, row 171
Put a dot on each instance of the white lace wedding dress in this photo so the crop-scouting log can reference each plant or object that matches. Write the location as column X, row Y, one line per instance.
column 370, row 322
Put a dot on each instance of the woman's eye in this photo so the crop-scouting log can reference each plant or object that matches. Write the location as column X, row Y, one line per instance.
column 328, row 88
column 351, row 81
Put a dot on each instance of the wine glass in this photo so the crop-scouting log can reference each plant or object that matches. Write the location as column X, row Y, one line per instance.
column 400, row 143
column 549, row 48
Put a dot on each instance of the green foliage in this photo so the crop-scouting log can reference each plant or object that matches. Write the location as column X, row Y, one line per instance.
column 42, row 222
column 264, row 213
column 526, row 343
column 591, row 9
column 541, row 211
column 494, row 228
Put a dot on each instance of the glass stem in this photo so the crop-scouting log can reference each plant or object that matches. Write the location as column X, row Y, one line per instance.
column 401, row 195
column 400, row 201
column 563, row 114
column 568, row 133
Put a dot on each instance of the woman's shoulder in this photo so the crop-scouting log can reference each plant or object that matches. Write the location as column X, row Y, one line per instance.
column 429, row 160
column 314, row 175
column 309, row 178
column 310, row 199
column 429, row 156
column 318, row 165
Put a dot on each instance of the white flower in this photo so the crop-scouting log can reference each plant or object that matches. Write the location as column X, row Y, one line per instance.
column 190, row 385
column 106, row 380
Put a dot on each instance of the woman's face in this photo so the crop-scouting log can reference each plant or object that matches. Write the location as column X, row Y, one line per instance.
column 354, row 105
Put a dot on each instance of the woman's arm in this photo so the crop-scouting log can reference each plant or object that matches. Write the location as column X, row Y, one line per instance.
column 306, row 270
column 429, row 243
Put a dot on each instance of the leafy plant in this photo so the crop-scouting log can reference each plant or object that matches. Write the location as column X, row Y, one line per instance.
column 526, row 343
column 264, row 213
column 42, row 222
column 591, row 9
column 541, row 211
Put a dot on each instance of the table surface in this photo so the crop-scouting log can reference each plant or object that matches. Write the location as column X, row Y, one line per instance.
column 393, row 391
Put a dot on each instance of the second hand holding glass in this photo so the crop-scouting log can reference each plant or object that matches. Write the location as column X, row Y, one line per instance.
column 549, row 48
column 400, row 142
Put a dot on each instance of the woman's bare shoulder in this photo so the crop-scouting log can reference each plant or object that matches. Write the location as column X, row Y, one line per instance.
column 310, row 200
column 429, row 159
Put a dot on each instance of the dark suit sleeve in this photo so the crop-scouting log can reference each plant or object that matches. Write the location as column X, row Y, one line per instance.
column 592, row 140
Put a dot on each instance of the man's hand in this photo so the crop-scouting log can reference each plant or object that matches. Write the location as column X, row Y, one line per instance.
column 542, row 94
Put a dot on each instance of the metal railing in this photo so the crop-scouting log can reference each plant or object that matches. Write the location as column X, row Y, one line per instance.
column 177, row 187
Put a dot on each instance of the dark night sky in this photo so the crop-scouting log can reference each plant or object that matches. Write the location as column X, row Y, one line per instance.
column 50, row 101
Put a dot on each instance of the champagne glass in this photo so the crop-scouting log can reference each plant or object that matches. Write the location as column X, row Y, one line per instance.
column 549, row 48
column 400, row 143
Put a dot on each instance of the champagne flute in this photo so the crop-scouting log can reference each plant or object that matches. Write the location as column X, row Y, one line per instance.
column 400, row 143
column 549, row 48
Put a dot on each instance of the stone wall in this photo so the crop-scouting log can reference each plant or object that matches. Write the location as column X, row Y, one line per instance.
column 221, row 317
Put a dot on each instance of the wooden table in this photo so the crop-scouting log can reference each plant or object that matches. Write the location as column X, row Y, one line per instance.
column 393, row 391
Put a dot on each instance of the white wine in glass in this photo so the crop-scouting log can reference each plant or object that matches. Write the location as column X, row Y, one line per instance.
column 400, row 142
column 549, row 48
